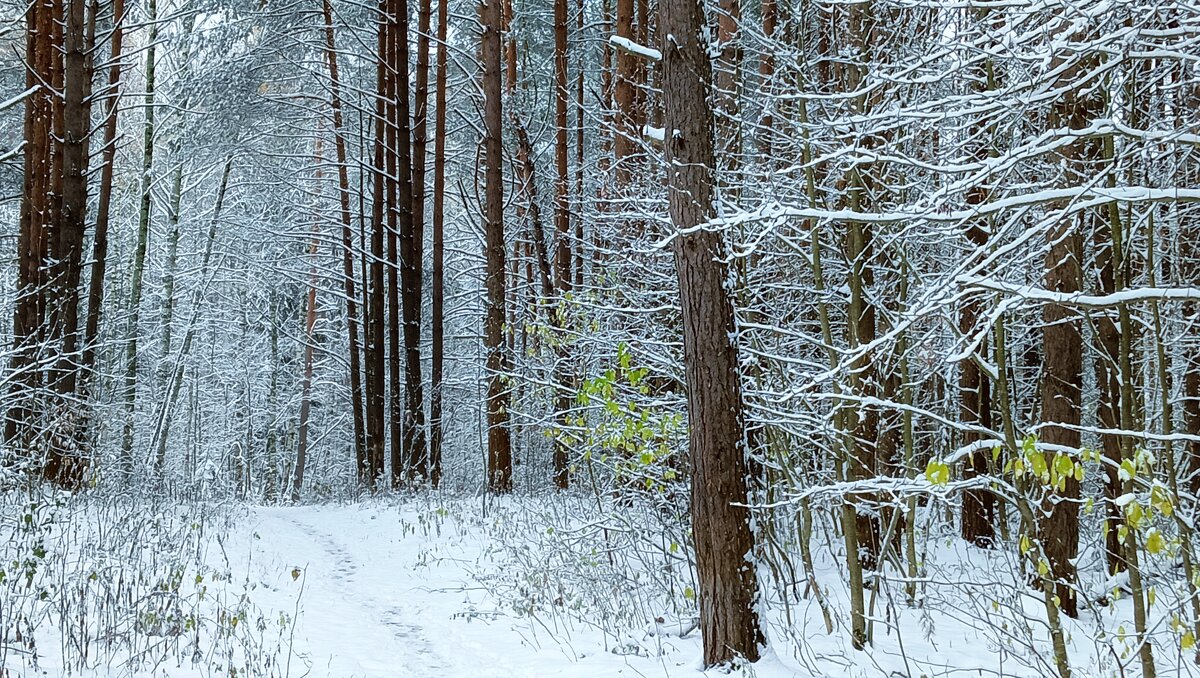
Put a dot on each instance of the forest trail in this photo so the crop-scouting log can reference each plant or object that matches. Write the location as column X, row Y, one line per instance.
column 393, row 592
column 361, row 612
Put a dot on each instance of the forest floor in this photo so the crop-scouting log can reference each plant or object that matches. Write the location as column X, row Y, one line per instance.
column 395, row 591
column 525, row 587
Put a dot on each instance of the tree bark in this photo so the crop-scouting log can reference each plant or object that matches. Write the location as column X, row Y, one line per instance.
column 439, row 222
column 104, row 200
column 415, row 441
column 356, row 386
column 499, row 465
column 375, row 405
column 720, row 522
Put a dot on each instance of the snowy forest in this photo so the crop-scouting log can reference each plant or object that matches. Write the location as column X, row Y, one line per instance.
column 532, row 338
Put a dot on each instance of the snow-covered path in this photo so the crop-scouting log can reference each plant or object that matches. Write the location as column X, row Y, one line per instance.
column 381, row 591
column 360, row 615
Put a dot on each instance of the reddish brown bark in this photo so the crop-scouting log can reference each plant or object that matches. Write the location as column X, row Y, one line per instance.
column 624, row 96
column 499, row 467
column 720, row 521
column 356, row 387
column 562, row 226
column 375, row 399
column 412, row 252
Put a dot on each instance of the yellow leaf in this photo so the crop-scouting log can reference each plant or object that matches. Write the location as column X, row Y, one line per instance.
column 1187, row 642
column 937, row 473
column 1155, row 542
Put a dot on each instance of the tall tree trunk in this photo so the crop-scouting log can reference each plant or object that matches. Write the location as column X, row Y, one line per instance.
column 439, row 223
column 416, row 447
column 624, row 95
column 562, row 225
column 167, row 320
column 728, row 586
column 1061, row 383
column 499, row 467
column 375, row 405
column 112, row 95
column 579, row 148
column 339, row 138
column 978, row 506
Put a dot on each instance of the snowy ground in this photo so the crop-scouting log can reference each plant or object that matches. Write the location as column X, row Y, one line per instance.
column 391, row 591
column 451, row 588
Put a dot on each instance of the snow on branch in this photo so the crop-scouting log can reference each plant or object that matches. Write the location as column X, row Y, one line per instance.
column 1085, row 300
column 631, row 47
column 658, row 134
column 19, row 98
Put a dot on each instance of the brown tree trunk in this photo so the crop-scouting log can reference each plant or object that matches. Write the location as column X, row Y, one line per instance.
column 766, row 72
column 624, row 95
column 720, row 522
column 50, row 239
column 974, row 406
column 499, row 466
column 412, row 252
column 562, row 225
column 1061, row 383
column 375, row 405
column 579, row 153
column 1062, row 376
column 1107, row 341
column 112, row 94
column 978, row 508
column 974, row 409
column 439, row 219
column 356, row 387
column 65, row 467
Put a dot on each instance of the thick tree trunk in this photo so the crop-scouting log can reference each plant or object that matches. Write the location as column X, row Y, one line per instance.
column 720, row 523
column 1062, row 378
column 1061, row 383
column 499, row 467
